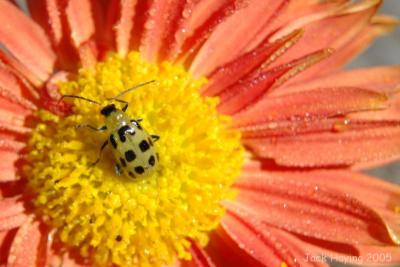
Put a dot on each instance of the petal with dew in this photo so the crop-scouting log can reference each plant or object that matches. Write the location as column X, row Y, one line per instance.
column 367, row 147
column 317, row 103
column 379, row 195
column 12, row 113
column 255, row 86
column 50, row 14
column 308, row 209
column 307, row 126
column 385, row 79
column 199, row 20
column 9, row 160
column 14, row 84
column 200, row 258
column 258, row 58
column 224, row 44
column 328, row 29
column 293, row 10
column 16, row 31
column 11, row 222
column 47, row 14
column 161, row 25
column 81, row 23
column 79, row 15
column 378, row 26
column 25, row 247
column 124, row 25
column 10, row 207
column 268, row 246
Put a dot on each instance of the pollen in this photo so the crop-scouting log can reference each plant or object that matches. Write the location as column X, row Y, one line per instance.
column 112, row 219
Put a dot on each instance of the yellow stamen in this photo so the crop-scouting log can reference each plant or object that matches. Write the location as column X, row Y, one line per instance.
column 114, row 219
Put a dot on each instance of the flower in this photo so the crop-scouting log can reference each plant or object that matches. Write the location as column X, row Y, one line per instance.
column 262, row 134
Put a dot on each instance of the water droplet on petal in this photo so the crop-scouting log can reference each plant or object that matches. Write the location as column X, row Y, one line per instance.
column 341, row 125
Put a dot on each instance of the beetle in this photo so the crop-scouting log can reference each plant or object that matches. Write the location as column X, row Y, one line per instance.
column 133, row 148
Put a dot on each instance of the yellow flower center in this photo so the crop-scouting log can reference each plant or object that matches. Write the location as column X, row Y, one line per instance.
column 115, row 219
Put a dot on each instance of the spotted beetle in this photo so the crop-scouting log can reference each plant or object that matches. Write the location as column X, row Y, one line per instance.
column 133, row 147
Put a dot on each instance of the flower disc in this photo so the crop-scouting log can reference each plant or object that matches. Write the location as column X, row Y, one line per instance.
column 115, row 219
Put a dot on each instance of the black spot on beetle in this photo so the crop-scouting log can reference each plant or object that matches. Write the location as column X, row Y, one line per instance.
column 123, row 131
column 139, row 169
column 152, row 160
column 131, row 175
column 113, row 142
column 123, row 162
column 130, row 155
column 144, row 145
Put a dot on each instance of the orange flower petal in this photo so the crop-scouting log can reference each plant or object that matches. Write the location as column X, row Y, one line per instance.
column 79, row 16
column 378, row 26
column 379, row 195
column 317, row 103
column 224, row 44
column 124, row 25
column 17, row 31
column 260, row 57
column 384, row 79
column 9, row 158
column 12, row 114
column 199, row 20
column 331, row 148
column 269, row 246
column 12, row 222
column 313, row 125
column 161, row 25
column 328, row 29
column 308, row 208
column 50, row 14
column 248, row 92
column 386, row 256
column 81, row 23
column 199, row 258
column 10, row 82
column 25, row 247
column 47, row 14
column 10, row 207
column 291, row 11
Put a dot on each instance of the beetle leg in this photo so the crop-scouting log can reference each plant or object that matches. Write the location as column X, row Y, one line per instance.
column 118, row 170
column 100, row 153
column 155, row 137
column 101, row 129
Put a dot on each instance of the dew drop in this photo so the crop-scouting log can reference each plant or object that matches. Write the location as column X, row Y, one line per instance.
column 187, row 12
column 341, row 125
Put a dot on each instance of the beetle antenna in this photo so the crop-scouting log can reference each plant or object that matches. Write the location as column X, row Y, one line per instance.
column 132, row 88
column 79, row 97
